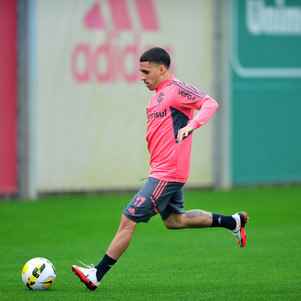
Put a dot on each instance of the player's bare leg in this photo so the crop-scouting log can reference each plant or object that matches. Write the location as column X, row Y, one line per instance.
column 122, row 238
column 190, row 219
column 202, row 219
column 91, row 276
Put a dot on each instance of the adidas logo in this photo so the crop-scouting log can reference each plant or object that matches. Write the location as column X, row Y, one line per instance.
column 116, row 57
column 131, row 211
column 121, row 15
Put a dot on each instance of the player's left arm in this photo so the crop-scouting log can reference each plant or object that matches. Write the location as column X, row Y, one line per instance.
column 184, row 132
column 206, row 106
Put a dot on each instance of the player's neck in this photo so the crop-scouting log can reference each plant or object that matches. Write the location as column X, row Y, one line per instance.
column 163, row 79
column 165, row 76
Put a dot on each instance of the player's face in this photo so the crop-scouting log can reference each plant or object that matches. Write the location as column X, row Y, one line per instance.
column 151, row 74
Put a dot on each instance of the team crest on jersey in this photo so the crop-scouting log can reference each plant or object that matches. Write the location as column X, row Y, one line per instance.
column 160, row 98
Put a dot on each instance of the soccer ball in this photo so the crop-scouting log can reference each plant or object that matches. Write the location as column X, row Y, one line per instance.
column 38, row 274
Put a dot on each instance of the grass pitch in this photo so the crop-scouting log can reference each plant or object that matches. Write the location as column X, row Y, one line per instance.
column 160, row 264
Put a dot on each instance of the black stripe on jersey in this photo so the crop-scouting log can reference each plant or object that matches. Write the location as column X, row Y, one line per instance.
column 190, row 89
column 193, row 89
column 179, row 120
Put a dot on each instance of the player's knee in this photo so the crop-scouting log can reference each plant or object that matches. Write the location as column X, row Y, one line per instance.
column 168, row 225
column 171, row 226
column 126, row 223
column 173, row 223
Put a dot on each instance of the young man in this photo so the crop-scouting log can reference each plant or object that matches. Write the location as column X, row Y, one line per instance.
column 170, row 124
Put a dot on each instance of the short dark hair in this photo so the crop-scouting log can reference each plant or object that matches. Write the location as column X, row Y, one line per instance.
column 156, row 55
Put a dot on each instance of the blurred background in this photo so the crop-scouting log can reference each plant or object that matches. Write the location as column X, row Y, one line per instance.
column 72, row 107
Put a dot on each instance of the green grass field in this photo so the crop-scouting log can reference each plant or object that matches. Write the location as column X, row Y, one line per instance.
column 160, row 264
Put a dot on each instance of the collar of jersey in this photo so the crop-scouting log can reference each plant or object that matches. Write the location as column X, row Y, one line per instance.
column 164, row 83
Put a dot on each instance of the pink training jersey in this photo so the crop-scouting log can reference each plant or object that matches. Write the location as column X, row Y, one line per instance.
column 171, row 108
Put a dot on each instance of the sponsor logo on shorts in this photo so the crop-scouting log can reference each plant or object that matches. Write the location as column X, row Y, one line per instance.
column 131, row 211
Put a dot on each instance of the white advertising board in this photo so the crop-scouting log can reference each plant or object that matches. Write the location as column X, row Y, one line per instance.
column 90, row 102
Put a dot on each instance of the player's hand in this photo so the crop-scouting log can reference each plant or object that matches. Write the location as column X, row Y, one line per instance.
column 184, row 132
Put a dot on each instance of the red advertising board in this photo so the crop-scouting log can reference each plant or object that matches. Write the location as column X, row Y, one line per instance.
column 8, row 96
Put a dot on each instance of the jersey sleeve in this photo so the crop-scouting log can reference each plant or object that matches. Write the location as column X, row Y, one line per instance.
column 208, row 108
column 191, row 98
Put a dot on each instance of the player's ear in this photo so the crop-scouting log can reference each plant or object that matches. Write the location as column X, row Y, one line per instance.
column 162, row 69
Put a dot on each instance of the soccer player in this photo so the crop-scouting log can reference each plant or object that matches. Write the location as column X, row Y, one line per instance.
column 170, row 124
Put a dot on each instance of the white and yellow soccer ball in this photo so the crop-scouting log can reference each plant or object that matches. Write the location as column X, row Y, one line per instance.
column 38, row 274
